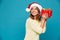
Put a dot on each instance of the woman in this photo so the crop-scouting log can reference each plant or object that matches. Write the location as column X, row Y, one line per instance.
column 35, row 24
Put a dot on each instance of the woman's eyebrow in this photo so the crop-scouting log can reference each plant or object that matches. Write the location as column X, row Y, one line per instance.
column 31, row 8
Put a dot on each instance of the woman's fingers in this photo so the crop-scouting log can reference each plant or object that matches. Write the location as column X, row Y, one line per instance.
column 45, row 16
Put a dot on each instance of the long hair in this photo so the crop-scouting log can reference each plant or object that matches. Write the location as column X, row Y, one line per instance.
column 38, row 16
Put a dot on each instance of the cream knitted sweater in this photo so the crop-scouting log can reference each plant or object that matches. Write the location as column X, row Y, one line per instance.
column 33, row 29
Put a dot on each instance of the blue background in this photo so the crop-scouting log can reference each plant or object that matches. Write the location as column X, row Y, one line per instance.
column 13, row 17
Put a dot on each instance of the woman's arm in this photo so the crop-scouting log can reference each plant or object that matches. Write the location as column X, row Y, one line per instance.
column 43, row 22
column 43, row 25
column 34, row 27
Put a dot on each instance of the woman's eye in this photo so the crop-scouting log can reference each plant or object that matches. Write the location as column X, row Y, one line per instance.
column 31, row 8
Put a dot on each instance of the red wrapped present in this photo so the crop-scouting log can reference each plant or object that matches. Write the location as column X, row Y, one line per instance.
column 48, row 11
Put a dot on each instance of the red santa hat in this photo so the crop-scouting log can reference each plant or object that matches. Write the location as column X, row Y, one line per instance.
column 33, row 4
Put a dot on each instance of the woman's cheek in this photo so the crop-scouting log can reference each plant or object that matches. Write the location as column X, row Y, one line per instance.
column 36, row 11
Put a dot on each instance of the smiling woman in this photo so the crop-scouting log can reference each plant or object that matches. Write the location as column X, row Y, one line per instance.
column 35, row 25
column 36, row 12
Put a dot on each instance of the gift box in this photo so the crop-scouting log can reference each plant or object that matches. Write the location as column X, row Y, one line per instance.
column 48, row 11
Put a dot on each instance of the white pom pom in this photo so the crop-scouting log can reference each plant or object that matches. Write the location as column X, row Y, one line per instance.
column 27, row 9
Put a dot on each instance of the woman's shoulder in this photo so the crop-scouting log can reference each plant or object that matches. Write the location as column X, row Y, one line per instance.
column 28, row 19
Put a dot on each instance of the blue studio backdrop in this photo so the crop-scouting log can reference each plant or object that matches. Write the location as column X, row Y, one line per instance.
column 13, row 17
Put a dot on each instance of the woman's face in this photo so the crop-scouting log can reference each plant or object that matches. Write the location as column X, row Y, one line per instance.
column 34, row 11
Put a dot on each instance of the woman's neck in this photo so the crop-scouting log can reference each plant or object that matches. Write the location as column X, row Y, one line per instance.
column 34, row 17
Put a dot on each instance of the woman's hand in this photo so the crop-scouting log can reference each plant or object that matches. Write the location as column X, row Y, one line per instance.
column 45, row 16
